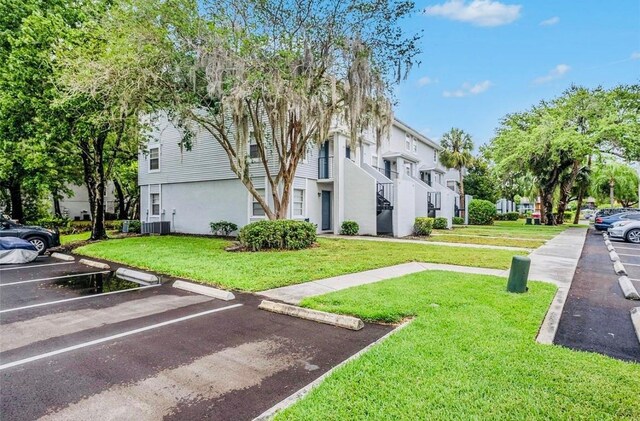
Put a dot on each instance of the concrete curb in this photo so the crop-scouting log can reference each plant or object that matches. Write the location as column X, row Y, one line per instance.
column 607, row 243
column 135, row 276
column 204, row 290
column 287, row 402
column 64, row 257
column 549, row 327
column 614, row 256
column 347, row 322
column 628, row 289
column 635, row 319
column 619, row 268
column 94, row 264
column 605, row 235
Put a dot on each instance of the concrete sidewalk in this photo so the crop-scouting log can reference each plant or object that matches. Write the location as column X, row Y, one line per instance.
column 293, row 294
column 424, row 243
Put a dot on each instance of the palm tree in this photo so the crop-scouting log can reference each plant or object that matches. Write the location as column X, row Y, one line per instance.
column 457, row 146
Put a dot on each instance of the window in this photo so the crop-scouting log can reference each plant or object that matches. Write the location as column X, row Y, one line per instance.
column 298, row 202
column 348, row 152
column 407, row 168
column 407, row 142
column 415, row 146
column 435, row 156
column 451, row 184
column 155, row 204
column 253, row 146
column 374, row 161
column 154, row 159
column 255, row 205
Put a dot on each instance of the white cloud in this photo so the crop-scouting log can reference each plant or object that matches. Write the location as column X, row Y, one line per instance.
column 426, row 80
column 468, row 89
column 635, row 55
column 551, row 21
column 477, row 12
column 555, row 73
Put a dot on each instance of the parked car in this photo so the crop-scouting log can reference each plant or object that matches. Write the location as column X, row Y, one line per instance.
column 603, row 224
column 604, row 212
column 628, row 229
column 41, row 238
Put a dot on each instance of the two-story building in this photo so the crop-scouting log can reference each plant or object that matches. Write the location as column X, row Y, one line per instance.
column 381, row 187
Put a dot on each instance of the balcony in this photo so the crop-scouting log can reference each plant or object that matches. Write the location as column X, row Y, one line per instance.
column 325, row 168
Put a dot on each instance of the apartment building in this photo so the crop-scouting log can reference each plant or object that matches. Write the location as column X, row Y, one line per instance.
column 382, row 187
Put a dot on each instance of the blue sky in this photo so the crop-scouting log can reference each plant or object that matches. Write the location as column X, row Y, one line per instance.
column 482, row 59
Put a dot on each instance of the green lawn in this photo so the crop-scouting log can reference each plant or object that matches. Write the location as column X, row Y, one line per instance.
column 479, row 239
column 204, row 259
column 82, row 236
column 470, row 353
column 512, row 229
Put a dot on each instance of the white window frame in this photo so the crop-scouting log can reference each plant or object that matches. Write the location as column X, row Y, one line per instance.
column 415, row 146
column 149, row 163
column 151, row 214
column 255, row 202
column 374, row 160
column 435, row 156
column 303, row 210
column 407, row 142
column 252, row 141
column 455, row 184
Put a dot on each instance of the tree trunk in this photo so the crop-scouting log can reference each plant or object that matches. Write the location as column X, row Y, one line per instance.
column 122, row 206
column 15, row 192
column 98, row 231
column 565, row 191
column 612, row 185
column 462, row 198
column 547, row 205
column 56, row 206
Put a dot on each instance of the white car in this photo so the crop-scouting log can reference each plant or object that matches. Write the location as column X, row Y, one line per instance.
column 627, row 229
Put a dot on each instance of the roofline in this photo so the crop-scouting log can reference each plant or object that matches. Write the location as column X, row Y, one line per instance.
column 415, row 133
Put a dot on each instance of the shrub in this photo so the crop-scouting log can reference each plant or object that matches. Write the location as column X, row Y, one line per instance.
column 569, row 215
column 223, row 228
column 440, row 223
column 423, row 226
column 280, row 234
column 481, row 212
column 51, row 222
column 349, row 228
column 135, row 226
column 457, row 220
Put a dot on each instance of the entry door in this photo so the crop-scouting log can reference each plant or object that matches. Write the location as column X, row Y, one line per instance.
column 387, row 168
column 326, row 210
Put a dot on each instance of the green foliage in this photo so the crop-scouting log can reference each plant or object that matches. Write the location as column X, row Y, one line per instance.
column 457, row 220
column 508, row 216
column 51, row 222
column 481, row 212
column 223, row 228
column 440, row 223
column 481, row 181
column 283, row 234
column 615, row 181
column 423, row 226
column 569, row 215
column 349, row 228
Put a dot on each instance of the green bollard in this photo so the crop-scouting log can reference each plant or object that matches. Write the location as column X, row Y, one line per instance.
column 519, row 274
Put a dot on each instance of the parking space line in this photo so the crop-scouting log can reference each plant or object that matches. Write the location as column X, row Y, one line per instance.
column 112, row 337
column 52, row 278
column 632, row 255
column 36, row 266
column 76, row 298
column 631, row 264
column 628, row 248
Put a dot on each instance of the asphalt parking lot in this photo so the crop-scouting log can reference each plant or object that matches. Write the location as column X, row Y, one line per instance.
column 93, row 346
column 596, row 314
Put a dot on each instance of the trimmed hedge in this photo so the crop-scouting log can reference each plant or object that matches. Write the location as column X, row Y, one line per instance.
column 481, row 212
column 422, row 226
column 283, row 234
column 223, row 228
column 349, row 228
column 458, row 220
column 509, row 216
column 440, row 223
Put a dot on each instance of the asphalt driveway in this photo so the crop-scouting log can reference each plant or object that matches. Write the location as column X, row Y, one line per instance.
column 596, row 314
column 83, row 347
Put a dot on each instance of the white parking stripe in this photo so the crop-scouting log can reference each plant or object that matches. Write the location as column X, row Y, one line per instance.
column 631, row 264
column 632, row 255
column 112, row 337
column 77, row 298
column 628, row 248
column 50, row 279
column 35, row 266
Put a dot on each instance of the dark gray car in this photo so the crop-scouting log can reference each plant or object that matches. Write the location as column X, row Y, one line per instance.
column 41, row 238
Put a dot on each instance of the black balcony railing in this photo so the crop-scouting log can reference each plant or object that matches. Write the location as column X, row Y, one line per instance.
column 434, row 200
column 325, row 167
column 390, row 174
column 384, row 196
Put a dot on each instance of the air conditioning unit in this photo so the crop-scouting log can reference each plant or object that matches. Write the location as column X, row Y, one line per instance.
column 162, row 227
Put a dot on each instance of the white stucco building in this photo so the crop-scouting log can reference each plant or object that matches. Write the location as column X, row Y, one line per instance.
column 381, row 187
